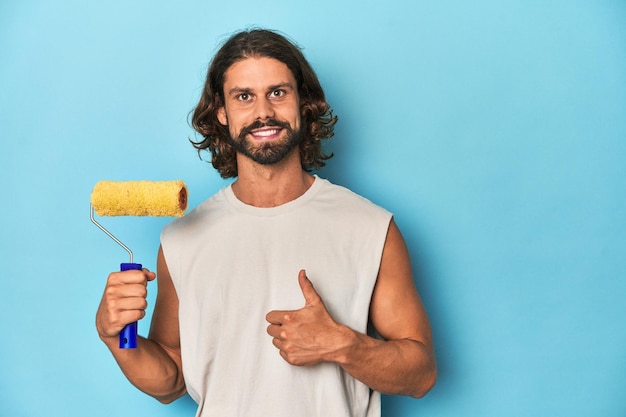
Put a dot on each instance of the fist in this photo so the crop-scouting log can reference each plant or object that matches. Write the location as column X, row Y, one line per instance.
column 123, row 301
column 309, row 335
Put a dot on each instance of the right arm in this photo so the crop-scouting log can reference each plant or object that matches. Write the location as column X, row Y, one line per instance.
column 155, row 366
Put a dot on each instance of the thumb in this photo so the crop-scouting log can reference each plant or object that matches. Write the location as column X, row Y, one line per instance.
column 149, row 274
column 310, row 295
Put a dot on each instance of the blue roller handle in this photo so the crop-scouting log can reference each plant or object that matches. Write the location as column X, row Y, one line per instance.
column 128, row 335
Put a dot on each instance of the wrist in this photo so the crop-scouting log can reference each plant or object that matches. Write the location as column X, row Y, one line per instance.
column 346, row 342
column 109, row 340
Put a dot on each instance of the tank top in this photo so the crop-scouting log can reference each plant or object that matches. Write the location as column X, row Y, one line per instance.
column 232, row 263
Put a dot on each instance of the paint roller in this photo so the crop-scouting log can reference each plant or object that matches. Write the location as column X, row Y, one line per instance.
column 136, row 198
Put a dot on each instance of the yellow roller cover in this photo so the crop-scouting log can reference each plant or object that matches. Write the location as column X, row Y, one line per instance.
column 140, row 198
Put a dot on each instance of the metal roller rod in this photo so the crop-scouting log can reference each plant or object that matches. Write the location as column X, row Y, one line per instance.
column 93, row 220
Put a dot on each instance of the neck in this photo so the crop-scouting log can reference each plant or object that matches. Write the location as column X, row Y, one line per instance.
column 271, row 185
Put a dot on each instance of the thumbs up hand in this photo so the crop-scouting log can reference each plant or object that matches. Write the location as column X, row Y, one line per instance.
column 309, row 335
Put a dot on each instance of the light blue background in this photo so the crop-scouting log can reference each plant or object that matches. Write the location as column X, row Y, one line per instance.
column 494, row 130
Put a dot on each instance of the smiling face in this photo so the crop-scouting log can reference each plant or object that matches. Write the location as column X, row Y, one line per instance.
column 261, row 109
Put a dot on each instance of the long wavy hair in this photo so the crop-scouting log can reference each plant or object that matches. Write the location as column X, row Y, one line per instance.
column 317, row 117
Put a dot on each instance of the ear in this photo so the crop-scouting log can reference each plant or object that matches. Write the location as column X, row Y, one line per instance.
column 221, row 116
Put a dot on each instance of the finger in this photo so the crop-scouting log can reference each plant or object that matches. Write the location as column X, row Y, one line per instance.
column 278, row 317
column 148, row 274
column 128, row 304
column 129, row 277
column 126, row 317
column 277, row 344
column 111, row 321
column 273, row 330
column 117, row 291
column 311, row 296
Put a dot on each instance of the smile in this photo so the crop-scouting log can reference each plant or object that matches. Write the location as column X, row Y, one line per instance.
column 267, row 133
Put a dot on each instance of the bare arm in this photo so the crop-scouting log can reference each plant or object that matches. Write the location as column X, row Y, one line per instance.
column 403, row 363
column 154, row 366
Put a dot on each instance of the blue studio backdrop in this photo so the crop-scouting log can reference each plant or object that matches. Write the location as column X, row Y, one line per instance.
column 495, row 131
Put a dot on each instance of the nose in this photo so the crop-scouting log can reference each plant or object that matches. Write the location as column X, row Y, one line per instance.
column 263, row 108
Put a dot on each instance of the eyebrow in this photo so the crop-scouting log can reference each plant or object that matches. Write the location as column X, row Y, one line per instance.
column 239, row 90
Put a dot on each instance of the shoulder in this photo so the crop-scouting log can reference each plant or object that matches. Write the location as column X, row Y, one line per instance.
column 343, row 197
column 198, row 215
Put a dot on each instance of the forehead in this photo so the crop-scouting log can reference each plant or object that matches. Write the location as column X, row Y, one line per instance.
column 257, row 73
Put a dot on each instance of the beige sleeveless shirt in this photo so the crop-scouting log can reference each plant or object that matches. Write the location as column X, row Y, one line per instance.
column 232, row 263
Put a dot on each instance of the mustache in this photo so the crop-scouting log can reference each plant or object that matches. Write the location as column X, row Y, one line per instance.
column 257, row 124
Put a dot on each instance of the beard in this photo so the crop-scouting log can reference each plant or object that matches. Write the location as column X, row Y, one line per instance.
column 266, row 153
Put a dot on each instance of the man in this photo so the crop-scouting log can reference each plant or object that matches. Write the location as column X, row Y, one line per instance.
column 270, row 293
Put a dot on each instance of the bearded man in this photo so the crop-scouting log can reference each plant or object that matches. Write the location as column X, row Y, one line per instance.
column 282, row 295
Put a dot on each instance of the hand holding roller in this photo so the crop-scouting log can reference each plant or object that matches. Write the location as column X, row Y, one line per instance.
column 136, row 198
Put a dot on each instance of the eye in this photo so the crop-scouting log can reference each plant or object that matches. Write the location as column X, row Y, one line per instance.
column 243, row 97
column 277, row 93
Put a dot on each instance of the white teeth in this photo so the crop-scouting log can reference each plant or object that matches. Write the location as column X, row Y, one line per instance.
column 266, row 133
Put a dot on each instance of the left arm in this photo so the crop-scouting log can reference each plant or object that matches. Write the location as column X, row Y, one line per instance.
column 402, row 363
